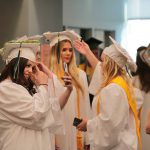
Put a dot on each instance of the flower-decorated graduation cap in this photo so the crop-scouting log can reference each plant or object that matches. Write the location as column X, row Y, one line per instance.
column 23, row 47
column 57, row 37
column 120, row 55
column 93, row 43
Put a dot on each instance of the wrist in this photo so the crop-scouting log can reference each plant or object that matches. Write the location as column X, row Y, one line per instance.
column 88, row 51
column 69, row 89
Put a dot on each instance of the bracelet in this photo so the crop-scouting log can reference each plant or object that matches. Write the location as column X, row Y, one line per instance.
column 44, row 84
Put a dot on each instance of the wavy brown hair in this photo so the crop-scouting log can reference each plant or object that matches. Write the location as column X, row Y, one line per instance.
column 143, row 71
column 8, row 72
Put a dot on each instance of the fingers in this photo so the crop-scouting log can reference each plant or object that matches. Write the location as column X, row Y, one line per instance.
column 77, row 43
column 82, row 125
column 40, row 65
column 68, row 82
column 67, row 74
column 38, row 76
column 37, row 69
column 33, row 78
column 67, row 79
column 44, row 69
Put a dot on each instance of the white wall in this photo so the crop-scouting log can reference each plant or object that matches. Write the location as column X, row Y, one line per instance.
column 138, row 9
column 101, row 14
column 45, row 15
column 20, row 17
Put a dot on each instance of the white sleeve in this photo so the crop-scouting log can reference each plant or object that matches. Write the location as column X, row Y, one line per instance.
column 86, row 95
column 86, row 102
column 139, row 98
column 96, row 80
column 55, row 90
column 104, row 130
column 20, row 107
column 139, row 94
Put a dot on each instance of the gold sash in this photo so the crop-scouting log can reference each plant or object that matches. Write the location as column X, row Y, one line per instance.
column 79, row 133
column 132, row 103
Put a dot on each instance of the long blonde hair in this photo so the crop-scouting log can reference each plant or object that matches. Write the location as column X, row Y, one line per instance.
column 112, row 70
column 72, row 67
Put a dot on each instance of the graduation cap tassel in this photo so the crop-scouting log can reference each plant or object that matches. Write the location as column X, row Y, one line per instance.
column 127, row 70
column 58, row 50
column 16, row 67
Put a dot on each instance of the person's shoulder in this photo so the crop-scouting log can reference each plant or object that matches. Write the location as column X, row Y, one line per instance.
column 82, row 74
column 81, row 71
column 113, row 88
column 7, row 84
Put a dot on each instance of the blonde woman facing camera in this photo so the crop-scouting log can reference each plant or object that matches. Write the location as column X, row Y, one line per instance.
column 62, row 60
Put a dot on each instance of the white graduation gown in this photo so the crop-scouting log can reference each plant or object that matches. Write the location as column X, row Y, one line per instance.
column 68, row 141
column 114, row 128
column 145, row 104
column 26, row 121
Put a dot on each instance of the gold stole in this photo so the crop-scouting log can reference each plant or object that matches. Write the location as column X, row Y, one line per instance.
column 98, row 105
column 132, row 103
column 79, row 133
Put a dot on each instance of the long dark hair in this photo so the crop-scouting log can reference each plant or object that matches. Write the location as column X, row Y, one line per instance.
column 143, row 71
column 9, row 72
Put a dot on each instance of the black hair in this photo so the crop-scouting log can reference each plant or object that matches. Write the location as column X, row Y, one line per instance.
column 143, row 71
column 8, row 71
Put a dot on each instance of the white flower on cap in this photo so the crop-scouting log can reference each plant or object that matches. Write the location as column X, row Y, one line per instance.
column 54, row 37
column 119, row 55
column 28, row 49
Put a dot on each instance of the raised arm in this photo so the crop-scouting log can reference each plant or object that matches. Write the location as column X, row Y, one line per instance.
column 84, row 49
column 67, row 80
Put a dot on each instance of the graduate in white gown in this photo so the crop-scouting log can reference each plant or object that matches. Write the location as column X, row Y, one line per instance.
column 62, row 52
column 114, row 125
column 27, row 112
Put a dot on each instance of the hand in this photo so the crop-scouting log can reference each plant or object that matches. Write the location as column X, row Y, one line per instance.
column 147, row 124
column 45, row 69
column 86, row 147
column 57, row 147
column 81, row 47
column 39, row 77
column 68, row 81
column 83, row 125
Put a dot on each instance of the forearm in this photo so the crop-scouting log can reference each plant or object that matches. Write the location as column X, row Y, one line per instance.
column 84, row 49
column 91, row 59
column 64, row 98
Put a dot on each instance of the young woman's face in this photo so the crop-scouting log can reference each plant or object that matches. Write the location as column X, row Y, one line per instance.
column 28, row 69
column 66, row 52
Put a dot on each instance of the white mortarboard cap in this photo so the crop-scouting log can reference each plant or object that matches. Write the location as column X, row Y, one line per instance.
column 120, row 55
column 54, row 37
column 28, row 49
